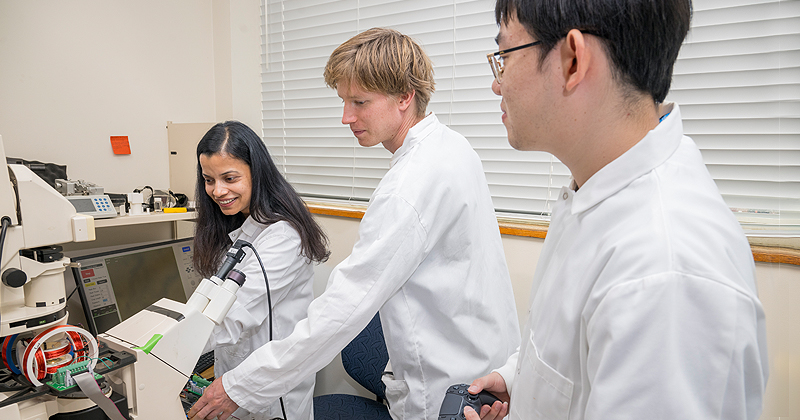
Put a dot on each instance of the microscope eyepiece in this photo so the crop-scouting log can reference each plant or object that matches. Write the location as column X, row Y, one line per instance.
column 237, row 276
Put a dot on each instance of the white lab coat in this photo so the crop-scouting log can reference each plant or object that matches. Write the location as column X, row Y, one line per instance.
column 245, row 328
column 429, row 257
column 646, row 305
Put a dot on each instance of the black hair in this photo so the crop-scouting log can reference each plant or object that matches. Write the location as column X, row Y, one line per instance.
column 272, row 199
column 641, row 37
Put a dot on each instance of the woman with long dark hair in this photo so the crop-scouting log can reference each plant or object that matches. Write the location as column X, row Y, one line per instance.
column 241, row 195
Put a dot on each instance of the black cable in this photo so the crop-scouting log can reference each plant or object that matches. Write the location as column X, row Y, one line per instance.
column 266, row 280
column 283, row 409
column 269, row 304
column 72, row 292
column 6, row 222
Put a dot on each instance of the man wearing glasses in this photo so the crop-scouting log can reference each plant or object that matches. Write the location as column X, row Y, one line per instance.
column 646, row 303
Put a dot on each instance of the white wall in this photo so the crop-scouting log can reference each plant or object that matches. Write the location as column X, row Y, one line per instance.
column 778, row 288
column 237, row 61
column 74, row 73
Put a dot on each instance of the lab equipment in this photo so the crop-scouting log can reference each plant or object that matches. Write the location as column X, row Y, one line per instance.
column 34, row 215
column 205, row 362
column 457, row 397
column 69, row 187
column 115, row 285
column 193, row 391
column 32, row 295
column 145, row 361
column 97, row 206
column 136, row 203
column 168, row 199
column 87, row 198
column 167, row 339
column 49, row 172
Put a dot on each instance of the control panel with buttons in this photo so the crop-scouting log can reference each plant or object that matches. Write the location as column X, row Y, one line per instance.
column 97, row 206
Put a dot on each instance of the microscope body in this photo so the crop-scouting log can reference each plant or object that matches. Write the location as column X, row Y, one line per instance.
column 165, row 340
column 32, row 294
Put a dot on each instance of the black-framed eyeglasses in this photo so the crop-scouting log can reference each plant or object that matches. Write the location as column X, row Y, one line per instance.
column 496, row 59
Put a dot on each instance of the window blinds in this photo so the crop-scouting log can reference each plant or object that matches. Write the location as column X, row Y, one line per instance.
column 302, row 117
column 737, row 81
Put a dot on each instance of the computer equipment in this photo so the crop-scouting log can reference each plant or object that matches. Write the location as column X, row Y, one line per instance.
column 205, row 361
column 117, row 284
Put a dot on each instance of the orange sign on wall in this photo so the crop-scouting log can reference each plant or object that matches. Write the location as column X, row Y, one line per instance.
column 120, row 145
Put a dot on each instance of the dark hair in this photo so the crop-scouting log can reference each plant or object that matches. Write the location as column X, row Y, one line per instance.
column 641, row 37
column 272, row 199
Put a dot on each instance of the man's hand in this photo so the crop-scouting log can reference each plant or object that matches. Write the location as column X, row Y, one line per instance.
column 214, row 403
column 495, row 384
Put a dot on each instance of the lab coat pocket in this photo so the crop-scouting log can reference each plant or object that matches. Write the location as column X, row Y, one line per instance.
column 540, row 392
column 396, row 394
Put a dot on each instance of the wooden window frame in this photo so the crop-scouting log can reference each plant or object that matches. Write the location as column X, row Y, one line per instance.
column 766, row 250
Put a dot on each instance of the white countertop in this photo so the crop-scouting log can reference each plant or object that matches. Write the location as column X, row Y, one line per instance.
column 144, row 218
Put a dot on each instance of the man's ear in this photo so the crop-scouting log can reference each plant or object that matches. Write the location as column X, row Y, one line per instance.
column 576, row 59
column 405, row 100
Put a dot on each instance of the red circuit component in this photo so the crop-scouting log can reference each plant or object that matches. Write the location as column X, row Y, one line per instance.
column 42, row 357
column 8, row 346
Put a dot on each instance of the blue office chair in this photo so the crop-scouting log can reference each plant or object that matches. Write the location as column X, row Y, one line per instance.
column 364, row 359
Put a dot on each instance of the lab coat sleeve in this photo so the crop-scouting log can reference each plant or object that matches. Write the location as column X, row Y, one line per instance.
column 390, row 247
column 508, row 370
column 280, row 253
column 675, row 346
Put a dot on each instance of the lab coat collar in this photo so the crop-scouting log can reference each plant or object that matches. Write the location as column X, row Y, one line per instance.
column 415, row 134
column 650, row 152
column 250, row 228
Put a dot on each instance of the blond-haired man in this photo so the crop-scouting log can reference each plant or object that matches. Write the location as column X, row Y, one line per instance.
column 429, row 255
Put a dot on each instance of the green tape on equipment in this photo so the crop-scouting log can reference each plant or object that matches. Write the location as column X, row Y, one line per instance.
column 147, row 348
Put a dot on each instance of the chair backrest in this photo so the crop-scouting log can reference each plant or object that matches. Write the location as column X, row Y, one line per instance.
column 365, row 358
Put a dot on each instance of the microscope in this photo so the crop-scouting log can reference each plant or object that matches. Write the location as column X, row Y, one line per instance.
column 52, row 370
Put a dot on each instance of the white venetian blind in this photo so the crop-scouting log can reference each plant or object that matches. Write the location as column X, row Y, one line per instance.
column 737, row 81
column 302, row 117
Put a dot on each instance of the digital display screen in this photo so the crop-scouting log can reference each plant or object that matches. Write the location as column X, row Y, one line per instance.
column 142, row 278
column 115, row 285
column 83, row 205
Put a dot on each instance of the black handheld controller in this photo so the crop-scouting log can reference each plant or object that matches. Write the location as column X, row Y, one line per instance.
column 457, row 398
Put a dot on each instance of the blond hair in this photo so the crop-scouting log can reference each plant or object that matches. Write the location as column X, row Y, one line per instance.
column 386, row 61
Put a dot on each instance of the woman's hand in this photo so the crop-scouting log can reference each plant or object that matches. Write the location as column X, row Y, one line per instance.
column 214, row 403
